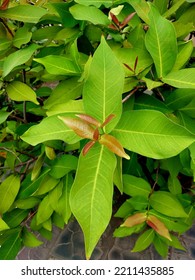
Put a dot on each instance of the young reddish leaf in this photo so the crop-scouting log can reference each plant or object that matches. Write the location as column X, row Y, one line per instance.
column 127, row 19
column 114, row 19
column 4, row 5
column 135, row 219
column 135, row 64
column 158, row 226
column 80, row 127
column 108, row 119
column 87, row 147
column 89, row 119
column 112, row 144
column 112, row 26
column 128, row 67
column 96, row 134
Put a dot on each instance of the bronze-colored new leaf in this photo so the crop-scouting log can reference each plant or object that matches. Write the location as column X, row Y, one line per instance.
column 80, row 127
column 113, row 144
column 108, row 119
column 89, row 119
column 87, row 147
column 158, row 226
column 135, row 219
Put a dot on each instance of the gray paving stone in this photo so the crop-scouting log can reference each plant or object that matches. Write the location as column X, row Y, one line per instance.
column 68, row 244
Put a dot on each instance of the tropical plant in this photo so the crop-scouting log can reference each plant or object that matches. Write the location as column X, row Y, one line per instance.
column 97, row 107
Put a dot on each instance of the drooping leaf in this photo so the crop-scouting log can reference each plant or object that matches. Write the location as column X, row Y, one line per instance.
column 44, row 211
column 15, row 217
column 183, row 78
column 19, row 91
column 113, row 145
column 91, row 194
column 51, row 128
column 158, row 226
column 161, row 42
column 142, row 9
column 63, row 165
column 46, row 185
column 161, row 246
column 167, row 204
column 152, row 134
column 27, row 203
column 4, row 115
column 89, row 13
column 102, row 92
column 174, row 185
column 63, row 205
column 12, row 245
column 127, row 231
column 135, row 219
column 8, row 192
column 59, row 65
column 29, row 239
column 80, row 127
column 3, row 225
column 24, row 13
column 134, row 186
column 144, row 241
column 18, row 58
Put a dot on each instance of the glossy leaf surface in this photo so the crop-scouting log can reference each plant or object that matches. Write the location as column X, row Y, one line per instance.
column 104, row 85
column 91, row 194
column 152, row 134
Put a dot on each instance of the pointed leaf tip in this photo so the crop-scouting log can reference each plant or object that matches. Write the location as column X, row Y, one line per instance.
column 113, row 145
column 80, row 127
column 158, row 226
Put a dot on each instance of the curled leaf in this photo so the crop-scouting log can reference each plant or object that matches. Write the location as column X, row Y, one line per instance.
column 87, row 147
column 113, row 145
column 135, row 219
column 89, row 119
column 158, row 226
column 80, row 127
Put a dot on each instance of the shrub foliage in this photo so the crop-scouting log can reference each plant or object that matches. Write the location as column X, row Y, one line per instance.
column 97, row 118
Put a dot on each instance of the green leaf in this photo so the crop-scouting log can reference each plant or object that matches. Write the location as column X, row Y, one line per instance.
column 8, row 192
column 27, row 203
column 24, row 13
column 127, row 231
column 139, row 202
column 189, row 109
column 54, row 196
column 51, row 128
column 152, row 134
column 44, row 211
column 11, row 247
column 37, row 166
column 29, row 239
column 59, row 65
column 15, row 217
column 72, row 106
column 4, row 115
column 5, row 44
column 179, row 98
column 134, row 186
column 89, row 13
column 184, row 54
column 18, row 58
column 160, row 246
column 125, row 210
column 63, row 165
column 102, row 93
column 144, row 241
column 167, row 204
column 63, row 11
column 142, row 9
column 91, row 194
column 118, row 180
column 63, row 205
column 3, row 225
column 22, row 36
column 46, row 185
column 183, row 78
column 161, row 42
column 19, row 91
column 97, row 3
column 174, row 185
column 65, row 91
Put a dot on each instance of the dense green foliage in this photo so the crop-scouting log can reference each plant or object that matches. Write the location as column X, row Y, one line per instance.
column 97, row 112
